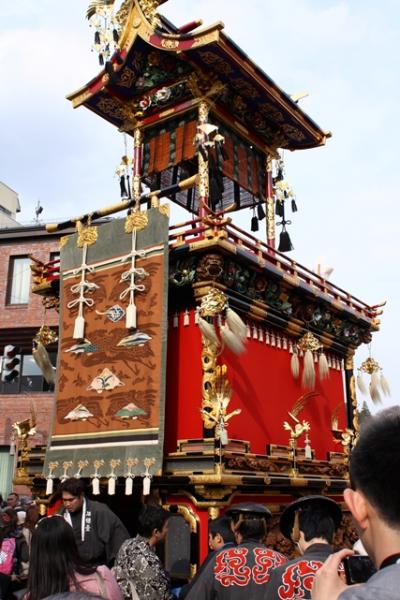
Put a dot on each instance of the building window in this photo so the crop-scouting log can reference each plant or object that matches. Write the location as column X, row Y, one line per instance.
column 30, row 379
column 19, row 280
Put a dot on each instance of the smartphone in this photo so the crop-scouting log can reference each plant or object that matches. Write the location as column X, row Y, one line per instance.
column 358, row 569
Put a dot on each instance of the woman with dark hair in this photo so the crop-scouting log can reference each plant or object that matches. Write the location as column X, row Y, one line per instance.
column 13, row 553
column 55, row 565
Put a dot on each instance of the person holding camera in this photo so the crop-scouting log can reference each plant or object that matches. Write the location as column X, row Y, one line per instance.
column 374, row 501
column 310, row 523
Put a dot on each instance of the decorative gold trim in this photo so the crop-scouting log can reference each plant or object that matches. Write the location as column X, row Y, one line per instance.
column 187, row 513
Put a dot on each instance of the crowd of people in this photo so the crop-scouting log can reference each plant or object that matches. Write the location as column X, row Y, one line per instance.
column 84, row 551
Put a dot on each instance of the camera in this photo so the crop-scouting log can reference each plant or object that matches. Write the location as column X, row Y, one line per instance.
column 358, row 569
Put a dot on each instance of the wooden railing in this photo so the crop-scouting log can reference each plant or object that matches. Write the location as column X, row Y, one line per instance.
column 193, row 231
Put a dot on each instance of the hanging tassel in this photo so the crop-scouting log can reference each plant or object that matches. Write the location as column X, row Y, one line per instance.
column 248, row 330
column 97, row 37
column 255, row 333
column 231, row 341
column 374, row 388
column 49, row 486
column 128, row 486
column 279, row 208
column 254, row 224
column 223, row 438
column 273, row 341
column 260, row 334
column 284, row 343
column 42, row 359
column 294, row 205
column 308, row 379
column 130, row 320
column 175, row 320
column 196, row 317
column 101, row 59
column 307, row 449
column 267, row 340
column 186, row 318
column 111, row 486
column 295, row 365
column 260, row 211
column 323, row 368
column 79, row 328
column 208, row 330
column 124, row 193
column 115, row 36
column 278, row 342
column 235, row 324
column 384, row 385
column 146, row 485
column 374, row 393
column 285, row 243
column 95, row 486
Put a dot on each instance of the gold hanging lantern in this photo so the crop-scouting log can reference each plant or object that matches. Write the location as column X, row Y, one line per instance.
column 310, row 346
column 377, row 382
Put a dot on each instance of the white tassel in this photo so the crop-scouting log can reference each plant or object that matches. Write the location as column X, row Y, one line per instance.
column 267, row 340
column 374, row 387
column 146, row 485
column 308, row 379
column 111, row 486
column 42, row 359
column 49, row 486
column 307, row 449
column 295, row 365
column 284, row 343
column 255, row 333
column 260, row 334
column 208, row 330
column 361, row 384
column 323, row 368
column 248, row 331
column 196, row 317
column 273, row 341
column 384, row 385
column 128, row 486
column 315, row 358
column 96, row 486
column 175, row 320
column 235, row 323
column 79, row 328
column 374, row 392
column 230, row 340
column 329, row 361
column 130, row 321
column 291, row 347
column 223, row 437
column 186, row 318
column 278, row 341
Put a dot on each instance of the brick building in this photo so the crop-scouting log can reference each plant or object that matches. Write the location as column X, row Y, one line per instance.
column 21, row 315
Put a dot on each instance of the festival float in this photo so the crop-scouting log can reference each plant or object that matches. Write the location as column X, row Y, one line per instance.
column 197, row 365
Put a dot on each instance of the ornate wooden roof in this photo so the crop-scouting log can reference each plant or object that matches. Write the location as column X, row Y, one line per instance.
column 158, row 71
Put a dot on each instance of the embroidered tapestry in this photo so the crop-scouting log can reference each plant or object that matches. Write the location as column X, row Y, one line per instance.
column 109, row 404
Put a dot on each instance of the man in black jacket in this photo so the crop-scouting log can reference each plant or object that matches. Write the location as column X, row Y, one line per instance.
column 99, row 533
column 310, row 522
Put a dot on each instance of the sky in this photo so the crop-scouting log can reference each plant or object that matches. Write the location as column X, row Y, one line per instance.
column 345, row 54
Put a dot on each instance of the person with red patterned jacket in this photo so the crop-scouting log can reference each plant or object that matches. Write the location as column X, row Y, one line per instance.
column 243, row 571
column 310, row 522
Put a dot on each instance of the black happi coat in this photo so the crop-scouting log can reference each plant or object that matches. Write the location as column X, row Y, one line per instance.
column 294, row 580
column 238, row 573
column 103, row 533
